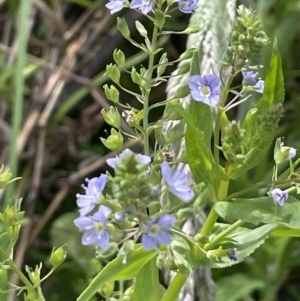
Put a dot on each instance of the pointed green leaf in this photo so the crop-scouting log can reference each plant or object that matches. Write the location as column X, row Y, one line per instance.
column 274, row 82
column 246, row 241
column 262, row 210
column 237, row 286
column 118, row 269
column 147, row 281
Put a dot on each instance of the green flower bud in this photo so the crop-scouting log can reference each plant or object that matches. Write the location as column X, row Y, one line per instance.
column 141, row 29
column 123, row 27
column 191, row 30
column 57, row 257
column 113, row 73
column 114, row 141
column 112, row 117
column 112, row 93
column 34, row 275
column 119, row 58
column 108, row 288
column 162, row 64
column 185, row 68
column 182, row 91
column 187, row 54
column 135, row 76
column 5, row 176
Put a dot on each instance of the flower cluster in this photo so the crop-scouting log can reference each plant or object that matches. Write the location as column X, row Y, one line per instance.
column 131, row 192
column 146, row 6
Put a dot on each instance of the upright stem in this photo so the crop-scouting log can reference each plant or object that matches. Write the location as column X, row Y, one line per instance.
column 218, row 117
column 212, row 216
column 148, row 89
column 22, row 277
column 174, row 288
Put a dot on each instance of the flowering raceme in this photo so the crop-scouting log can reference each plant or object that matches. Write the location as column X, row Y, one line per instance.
column 205, row 89
column 94, row 228
column 93, row 192
column 177, row 182
column 158, row 232
column 252, row 82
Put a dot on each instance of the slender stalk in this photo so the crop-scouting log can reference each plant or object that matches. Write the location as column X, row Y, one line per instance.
column 212, row 216
column 148, row 89
column 174, row 288
column 19, row 273
column 223, row 234
column 17, row 111
column 218, row 117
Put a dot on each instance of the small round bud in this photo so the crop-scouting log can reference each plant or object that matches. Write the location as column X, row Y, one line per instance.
column 57, row 257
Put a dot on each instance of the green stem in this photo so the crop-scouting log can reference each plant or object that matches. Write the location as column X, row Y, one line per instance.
column 174, row 288
column 16, row 270
column 148, row 90
column 23, row 26
column 218, row 117
column 212, row 216
column 223, row 234
column 150, row 70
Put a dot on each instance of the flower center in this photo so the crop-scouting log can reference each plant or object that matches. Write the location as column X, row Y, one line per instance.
column 205, row 90
column 154, row 229
column 99, row 226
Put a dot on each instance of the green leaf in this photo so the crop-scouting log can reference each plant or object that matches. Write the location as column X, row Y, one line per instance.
column 117, row 270
column 237, row 286
column 200, row 158
column 147, row 281
column 246, row 241
column 274, row 82
column 262, row 210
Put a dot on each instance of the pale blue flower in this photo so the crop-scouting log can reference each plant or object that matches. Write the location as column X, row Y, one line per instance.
column 145, row 6
column 252, row 82
column 115, row 5
column 177, row 182
column 158, row 232
column 187, row 6
column 205, row 89
column 279, row 196
column 142, row 159
column 292, row 153
column 93, row 191
column 94, row 228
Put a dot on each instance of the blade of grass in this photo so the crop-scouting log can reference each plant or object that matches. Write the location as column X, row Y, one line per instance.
column 17, row 109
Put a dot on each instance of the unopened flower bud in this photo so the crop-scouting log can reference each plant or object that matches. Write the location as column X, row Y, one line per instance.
column 113, row 73
column 57, row 257
column 114, row 141
column 112, row 117
column 119, row 58
column 112, row 93
column 5, row 176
